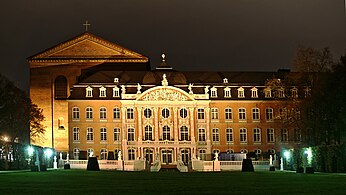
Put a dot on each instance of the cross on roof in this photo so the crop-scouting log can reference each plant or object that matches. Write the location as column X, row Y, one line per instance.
column 86, row 24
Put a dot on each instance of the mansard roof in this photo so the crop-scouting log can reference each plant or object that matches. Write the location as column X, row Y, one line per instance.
column 84, row 48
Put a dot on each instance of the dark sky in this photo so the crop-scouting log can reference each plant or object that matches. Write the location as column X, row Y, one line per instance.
column 232, row 35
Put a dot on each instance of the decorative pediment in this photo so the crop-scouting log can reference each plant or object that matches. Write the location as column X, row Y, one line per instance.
column 87, row 47
column 165, row 93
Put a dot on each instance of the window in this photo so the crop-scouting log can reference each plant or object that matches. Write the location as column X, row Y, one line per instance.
column 103, row 92
column 75, row 113
column 227, row 91
column 201, row 135
column 147, row 113
column 130, row 134
column 284, row 135
column 241, row 93
column 116, row 92
column 297, row 135
column 269, row 114
column 116, row 134
column 166, row 133
column 242, row 114
column 202, row 154
column 60, row 87
column 90, row 134
column 255, row 114
column 200, row 113
column 131, row 154
column 183, row 113
column 216, row 151
column 90, row 152
column 243, row 135
column 294, row 92
column 230, row 151
column 228, row 114
column 184, row 133
column 254, row 93
column 216, row 137
column 165, row 113
column 270, row 135
column 244, row 151
column 103, row 134
column 89, row 92
column 257, row 152
column 129, row 113
column 281, row 92
column 214, row 114
column 116, row 113
column 271, row 151
column 225, row 80
column 257, row 135
column 103, row 154
column 213, row 92
column 148, row 133
column 89, row 113
column 229, row 135
column 103, row 113
column 76, row 134
column 76, row 153
column 267, row 92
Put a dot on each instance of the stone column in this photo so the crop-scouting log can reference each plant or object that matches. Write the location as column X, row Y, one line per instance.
column 175, row 124
column 140, row 129
column 156, row 123
column 192, row 125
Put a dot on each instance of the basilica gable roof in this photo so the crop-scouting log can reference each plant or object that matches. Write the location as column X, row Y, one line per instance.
column 86, row 48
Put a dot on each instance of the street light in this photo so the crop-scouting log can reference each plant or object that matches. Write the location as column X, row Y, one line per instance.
column 30, row 150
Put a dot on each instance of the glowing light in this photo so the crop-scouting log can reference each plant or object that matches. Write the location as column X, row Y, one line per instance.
column 287, row 154
column 48, row 152
column 308, row 152
column 30, row 150
column 6, row 139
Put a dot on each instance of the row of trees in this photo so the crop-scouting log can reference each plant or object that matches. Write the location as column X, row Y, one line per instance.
column 20, row 120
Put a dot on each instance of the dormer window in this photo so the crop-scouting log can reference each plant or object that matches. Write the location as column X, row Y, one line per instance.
column 227, row 92
column 102, row 91
column 89, row 92
column 254, row 93
column 225, row 80
column 294, row 92
column 241, row 93
column 213, row 92
column 281, row 92
column 116, row 92
column 267, row 92
column 307, row 92
column 116, row 80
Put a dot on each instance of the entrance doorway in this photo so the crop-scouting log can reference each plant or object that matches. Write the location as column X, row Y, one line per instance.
column 185, row 156
column 167, row 156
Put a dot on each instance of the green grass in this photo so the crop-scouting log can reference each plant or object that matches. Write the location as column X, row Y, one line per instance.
column 111, row 182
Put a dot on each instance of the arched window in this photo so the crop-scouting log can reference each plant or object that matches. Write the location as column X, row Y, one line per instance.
column 184, row 133
column 60, row 87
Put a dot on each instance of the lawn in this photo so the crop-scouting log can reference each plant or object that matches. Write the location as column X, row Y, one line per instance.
column 111, row 182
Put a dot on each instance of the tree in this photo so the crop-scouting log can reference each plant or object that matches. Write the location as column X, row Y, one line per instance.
column 37, row 130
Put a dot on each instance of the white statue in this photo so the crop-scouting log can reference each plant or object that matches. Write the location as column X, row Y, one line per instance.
column 91, row 154
column 270, row 160
column 216, row 156
column 190, row 88
column 119, row 155
column 164, row 81
column 68, row 158
column 206, row 90
column 139, row 87
column 123, row 89
column 60, row 156
column 198, row 158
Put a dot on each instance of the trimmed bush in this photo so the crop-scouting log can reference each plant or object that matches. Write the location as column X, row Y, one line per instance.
column 67, row 166
column 309, row 170
column 34, row 168
column 247, row 166
column 271, row 168
column 300, row 170
column 93, row 165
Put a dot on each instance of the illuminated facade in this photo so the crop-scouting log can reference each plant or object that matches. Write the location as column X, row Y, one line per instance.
column 116, row 102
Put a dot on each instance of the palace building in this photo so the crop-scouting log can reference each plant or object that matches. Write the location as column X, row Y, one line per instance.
column 101, row 98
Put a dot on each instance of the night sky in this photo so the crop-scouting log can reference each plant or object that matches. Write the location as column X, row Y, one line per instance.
column 232, row 35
